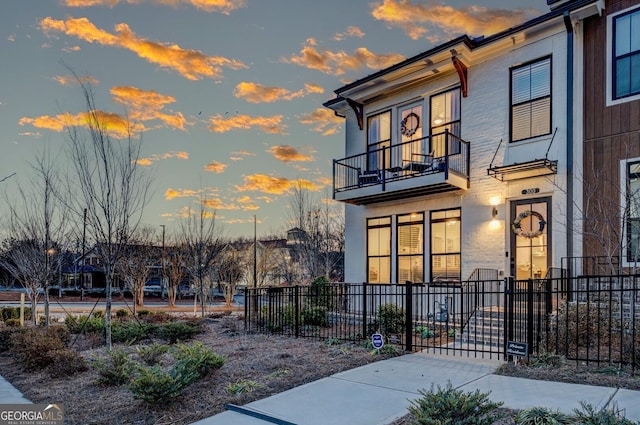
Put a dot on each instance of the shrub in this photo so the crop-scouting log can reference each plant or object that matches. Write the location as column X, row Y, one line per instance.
column 66, row 362
column 32, row 349
column 277, row 318
column 84, row 324
column 391, row 318
column 122, row 313
column 151, row 354
column 316, row 316
column 580, row 325
column 321, row 293
column 12, row 323
column 156, row 386
column 98, row 314
column 129, row 332
column 6, row 337
column 115, row 369
column 178, row 331
column 243, row 386
column 587, row 414
column 14, row 313
column 542, row 416
column 142, row 313
column 447, row 405
column 197, row 357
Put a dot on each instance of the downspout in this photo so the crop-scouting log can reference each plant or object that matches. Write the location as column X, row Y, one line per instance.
column 569, row 27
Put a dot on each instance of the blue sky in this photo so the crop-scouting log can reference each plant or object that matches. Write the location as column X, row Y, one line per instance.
column 227, row 93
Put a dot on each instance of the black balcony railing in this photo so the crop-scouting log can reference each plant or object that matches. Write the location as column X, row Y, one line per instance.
column 387, row 162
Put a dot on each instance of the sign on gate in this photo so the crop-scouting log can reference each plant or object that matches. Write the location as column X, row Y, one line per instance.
column 518, row 349
column 377, row 340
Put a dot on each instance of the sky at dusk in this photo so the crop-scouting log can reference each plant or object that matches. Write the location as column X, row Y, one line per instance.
column 227, row 94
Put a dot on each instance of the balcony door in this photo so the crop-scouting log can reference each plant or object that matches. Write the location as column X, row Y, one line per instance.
column 378, row 138
column 410, row 135
column 445, row 115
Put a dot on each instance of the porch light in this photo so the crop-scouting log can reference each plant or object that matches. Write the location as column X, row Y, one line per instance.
column 494, row 212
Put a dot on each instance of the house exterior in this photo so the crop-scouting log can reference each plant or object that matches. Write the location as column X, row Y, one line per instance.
column 463, row 158
column 610, row 130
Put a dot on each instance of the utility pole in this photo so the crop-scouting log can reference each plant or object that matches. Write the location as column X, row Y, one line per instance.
column 163, row 284
column 255, row 253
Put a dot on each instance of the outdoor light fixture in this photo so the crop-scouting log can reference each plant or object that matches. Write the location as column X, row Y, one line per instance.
column 494, row 212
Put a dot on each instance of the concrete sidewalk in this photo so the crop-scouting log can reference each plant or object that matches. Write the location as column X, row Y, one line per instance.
column 380, row 392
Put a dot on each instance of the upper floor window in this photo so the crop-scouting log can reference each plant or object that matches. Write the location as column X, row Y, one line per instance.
column 531, row 100
column 626, row 54
column 378, row 137
column 445, row 115
column 633, row 211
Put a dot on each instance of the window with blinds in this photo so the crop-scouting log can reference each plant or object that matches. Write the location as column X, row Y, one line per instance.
column 411, row 248
column 379, row 250
column 531, row 100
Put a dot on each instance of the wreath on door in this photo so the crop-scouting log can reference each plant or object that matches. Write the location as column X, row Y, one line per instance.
column 517, row 224
column 410, row 124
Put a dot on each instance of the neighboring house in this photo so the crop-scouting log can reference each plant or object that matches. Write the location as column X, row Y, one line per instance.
column 611, row 133
column 462, row 157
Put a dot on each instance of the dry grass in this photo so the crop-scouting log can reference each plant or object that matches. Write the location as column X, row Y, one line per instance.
column 275, row 363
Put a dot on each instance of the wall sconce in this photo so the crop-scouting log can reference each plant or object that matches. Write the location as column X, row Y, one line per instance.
column 494, row 212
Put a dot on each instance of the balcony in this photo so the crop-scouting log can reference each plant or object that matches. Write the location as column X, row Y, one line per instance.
column 431, row 165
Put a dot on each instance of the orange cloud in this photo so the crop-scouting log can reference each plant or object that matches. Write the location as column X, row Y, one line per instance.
column 191, row 64
column 274, row 185
column 473, row 20
column 338, row 63
column 271, row 125
column 145, row 105
column 322, row 121
column 218, row 204
column 351, row 31
column 65, row 80
column 170, row 194
column 221, row 6
column 257, row 93
column 168, row 155
column 113, row 124
column 288, row 153
column 215, row 167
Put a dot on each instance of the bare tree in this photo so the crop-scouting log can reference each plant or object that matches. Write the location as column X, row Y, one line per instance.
column 202, row 240
column 109, row 183
column 231, row 269
column 319, row 246
column 174, row 263
column 136, row 263
column 36, row 228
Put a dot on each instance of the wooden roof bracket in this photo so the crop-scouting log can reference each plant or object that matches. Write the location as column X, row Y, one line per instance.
column 461, row 68
column 358, row 109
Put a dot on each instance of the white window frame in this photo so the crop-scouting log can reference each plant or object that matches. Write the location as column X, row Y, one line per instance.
column 610, row 101
column 623, row 205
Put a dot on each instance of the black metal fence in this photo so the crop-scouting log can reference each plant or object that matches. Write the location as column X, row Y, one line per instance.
column 591, row 319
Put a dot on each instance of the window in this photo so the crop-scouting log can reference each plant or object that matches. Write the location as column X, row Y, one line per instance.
column 626, row 54
column 411, row 248
column 378, row 137
column 445, row 115
column 445, row 245
column 531, row 100
column 379, row 250
column 633, row 211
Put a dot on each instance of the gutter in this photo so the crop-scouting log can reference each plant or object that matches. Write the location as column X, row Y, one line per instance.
column 569, row 111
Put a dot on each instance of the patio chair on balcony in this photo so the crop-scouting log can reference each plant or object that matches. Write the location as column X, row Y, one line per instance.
column 420, row 163
column 367, row 177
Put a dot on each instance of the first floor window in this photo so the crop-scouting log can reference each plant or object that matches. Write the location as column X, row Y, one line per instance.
column 445, row 245
column 633, row 211
column 411, row 248
column 379, row 250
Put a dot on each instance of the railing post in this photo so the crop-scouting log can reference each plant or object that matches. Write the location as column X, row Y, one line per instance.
column 364, row 310
column 383, row 168
column 509, row 289
column 530, row 314
column 446, row 153
column 334, row 178
column 296, row 297
column 246, row 308
column 408, row 319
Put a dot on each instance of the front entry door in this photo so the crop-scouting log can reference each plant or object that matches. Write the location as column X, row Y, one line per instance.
column 530, row 238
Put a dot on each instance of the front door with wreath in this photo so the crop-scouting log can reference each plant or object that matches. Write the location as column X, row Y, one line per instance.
column 530, row 238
